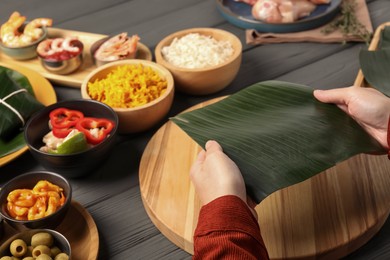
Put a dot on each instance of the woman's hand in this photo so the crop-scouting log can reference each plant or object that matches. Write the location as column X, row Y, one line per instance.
column 369, row 107
column 215, row 175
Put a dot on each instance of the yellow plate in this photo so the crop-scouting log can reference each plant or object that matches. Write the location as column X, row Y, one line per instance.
column 44, row 93
column 75, row 78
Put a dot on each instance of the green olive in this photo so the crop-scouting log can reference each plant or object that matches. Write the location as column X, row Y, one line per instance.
column 29, row 258
column 42, row 238
column 55, row 251
column 18, row 248
column 41, row 250
column 62, row 256
column 43, row 257
column 6, row 258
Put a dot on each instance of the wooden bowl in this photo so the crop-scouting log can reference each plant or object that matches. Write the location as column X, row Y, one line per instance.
column 208, row 80
column 141, row 118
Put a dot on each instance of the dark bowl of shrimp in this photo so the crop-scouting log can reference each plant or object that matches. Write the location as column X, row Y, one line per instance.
column 19, row 38
column 61, row 55
column 37, row 199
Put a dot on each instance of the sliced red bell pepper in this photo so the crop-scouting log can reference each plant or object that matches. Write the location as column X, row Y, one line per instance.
column 64, row 118
column 103, row 126
column 62, row 132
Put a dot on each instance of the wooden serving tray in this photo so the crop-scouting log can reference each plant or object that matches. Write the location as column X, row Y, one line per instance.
column 360, row 81
column 325, row 217
column 80, row 230
column 76, row 78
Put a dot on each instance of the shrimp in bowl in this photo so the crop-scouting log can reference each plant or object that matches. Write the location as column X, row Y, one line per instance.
column 17, row 33
column 19, row 38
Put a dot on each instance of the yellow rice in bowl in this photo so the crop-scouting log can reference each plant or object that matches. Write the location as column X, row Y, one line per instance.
column 141, row 92
column 128, row 86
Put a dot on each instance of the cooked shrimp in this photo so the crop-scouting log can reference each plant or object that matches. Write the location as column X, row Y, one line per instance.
column 33, row 28
column 44, row 49
column 69, row 45
column 45, row 186
column 10, row 30
column 38, row 210
column 56, row 44
column 52, row 205
column 118, row 47
column 21, row 197
column 16, row 212
column 12, row 36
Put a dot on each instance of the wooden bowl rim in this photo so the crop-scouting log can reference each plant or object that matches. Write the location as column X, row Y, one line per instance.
column 156, row 67
column 235, row 41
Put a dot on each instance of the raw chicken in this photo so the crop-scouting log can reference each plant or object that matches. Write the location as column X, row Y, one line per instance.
column 282, row 11
column 320, row 2
column 250, row 2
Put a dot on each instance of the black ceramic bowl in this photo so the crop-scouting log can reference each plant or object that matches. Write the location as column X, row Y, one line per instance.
column 76, row 164
column 28, row 181
column 58, row 240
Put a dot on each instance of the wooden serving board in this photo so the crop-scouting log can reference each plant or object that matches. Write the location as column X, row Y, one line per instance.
column 360, row 81
column 327, row 216
column 76, row 78
column 80, row 230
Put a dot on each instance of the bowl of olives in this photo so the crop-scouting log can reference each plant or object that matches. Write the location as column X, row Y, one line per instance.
column 36, row 244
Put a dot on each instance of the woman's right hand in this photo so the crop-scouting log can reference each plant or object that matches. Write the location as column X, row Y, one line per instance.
column 369, row 107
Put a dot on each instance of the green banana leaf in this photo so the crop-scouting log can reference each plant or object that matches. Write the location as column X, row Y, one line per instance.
column 375, row 65
column 12, row 145
column 385, row 38
column 278, row 134
column 11, row 79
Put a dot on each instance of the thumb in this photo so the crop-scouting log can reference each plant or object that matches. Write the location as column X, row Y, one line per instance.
column 212, row 146
column 197, row 166
column 336, row 96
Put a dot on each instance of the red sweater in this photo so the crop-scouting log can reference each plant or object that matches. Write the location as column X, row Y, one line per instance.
column 227, row 229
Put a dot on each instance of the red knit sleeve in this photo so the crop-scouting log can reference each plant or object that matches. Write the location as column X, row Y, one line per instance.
column 227, row 229
column 388, row 138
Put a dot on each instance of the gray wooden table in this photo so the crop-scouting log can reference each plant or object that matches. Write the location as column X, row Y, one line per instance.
column 111, row 194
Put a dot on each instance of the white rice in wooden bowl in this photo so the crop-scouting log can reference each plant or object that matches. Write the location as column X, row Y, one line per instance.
column 196, row 51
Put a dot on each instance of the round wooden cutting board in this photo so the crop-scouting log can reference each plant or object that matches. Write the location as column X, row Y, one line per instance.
column 327, row 216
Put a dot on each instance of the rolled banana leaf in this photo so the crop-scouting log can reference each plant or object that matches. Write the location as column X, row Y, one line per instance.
column 375, row 65
column 22, row 101
column 278, row 134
